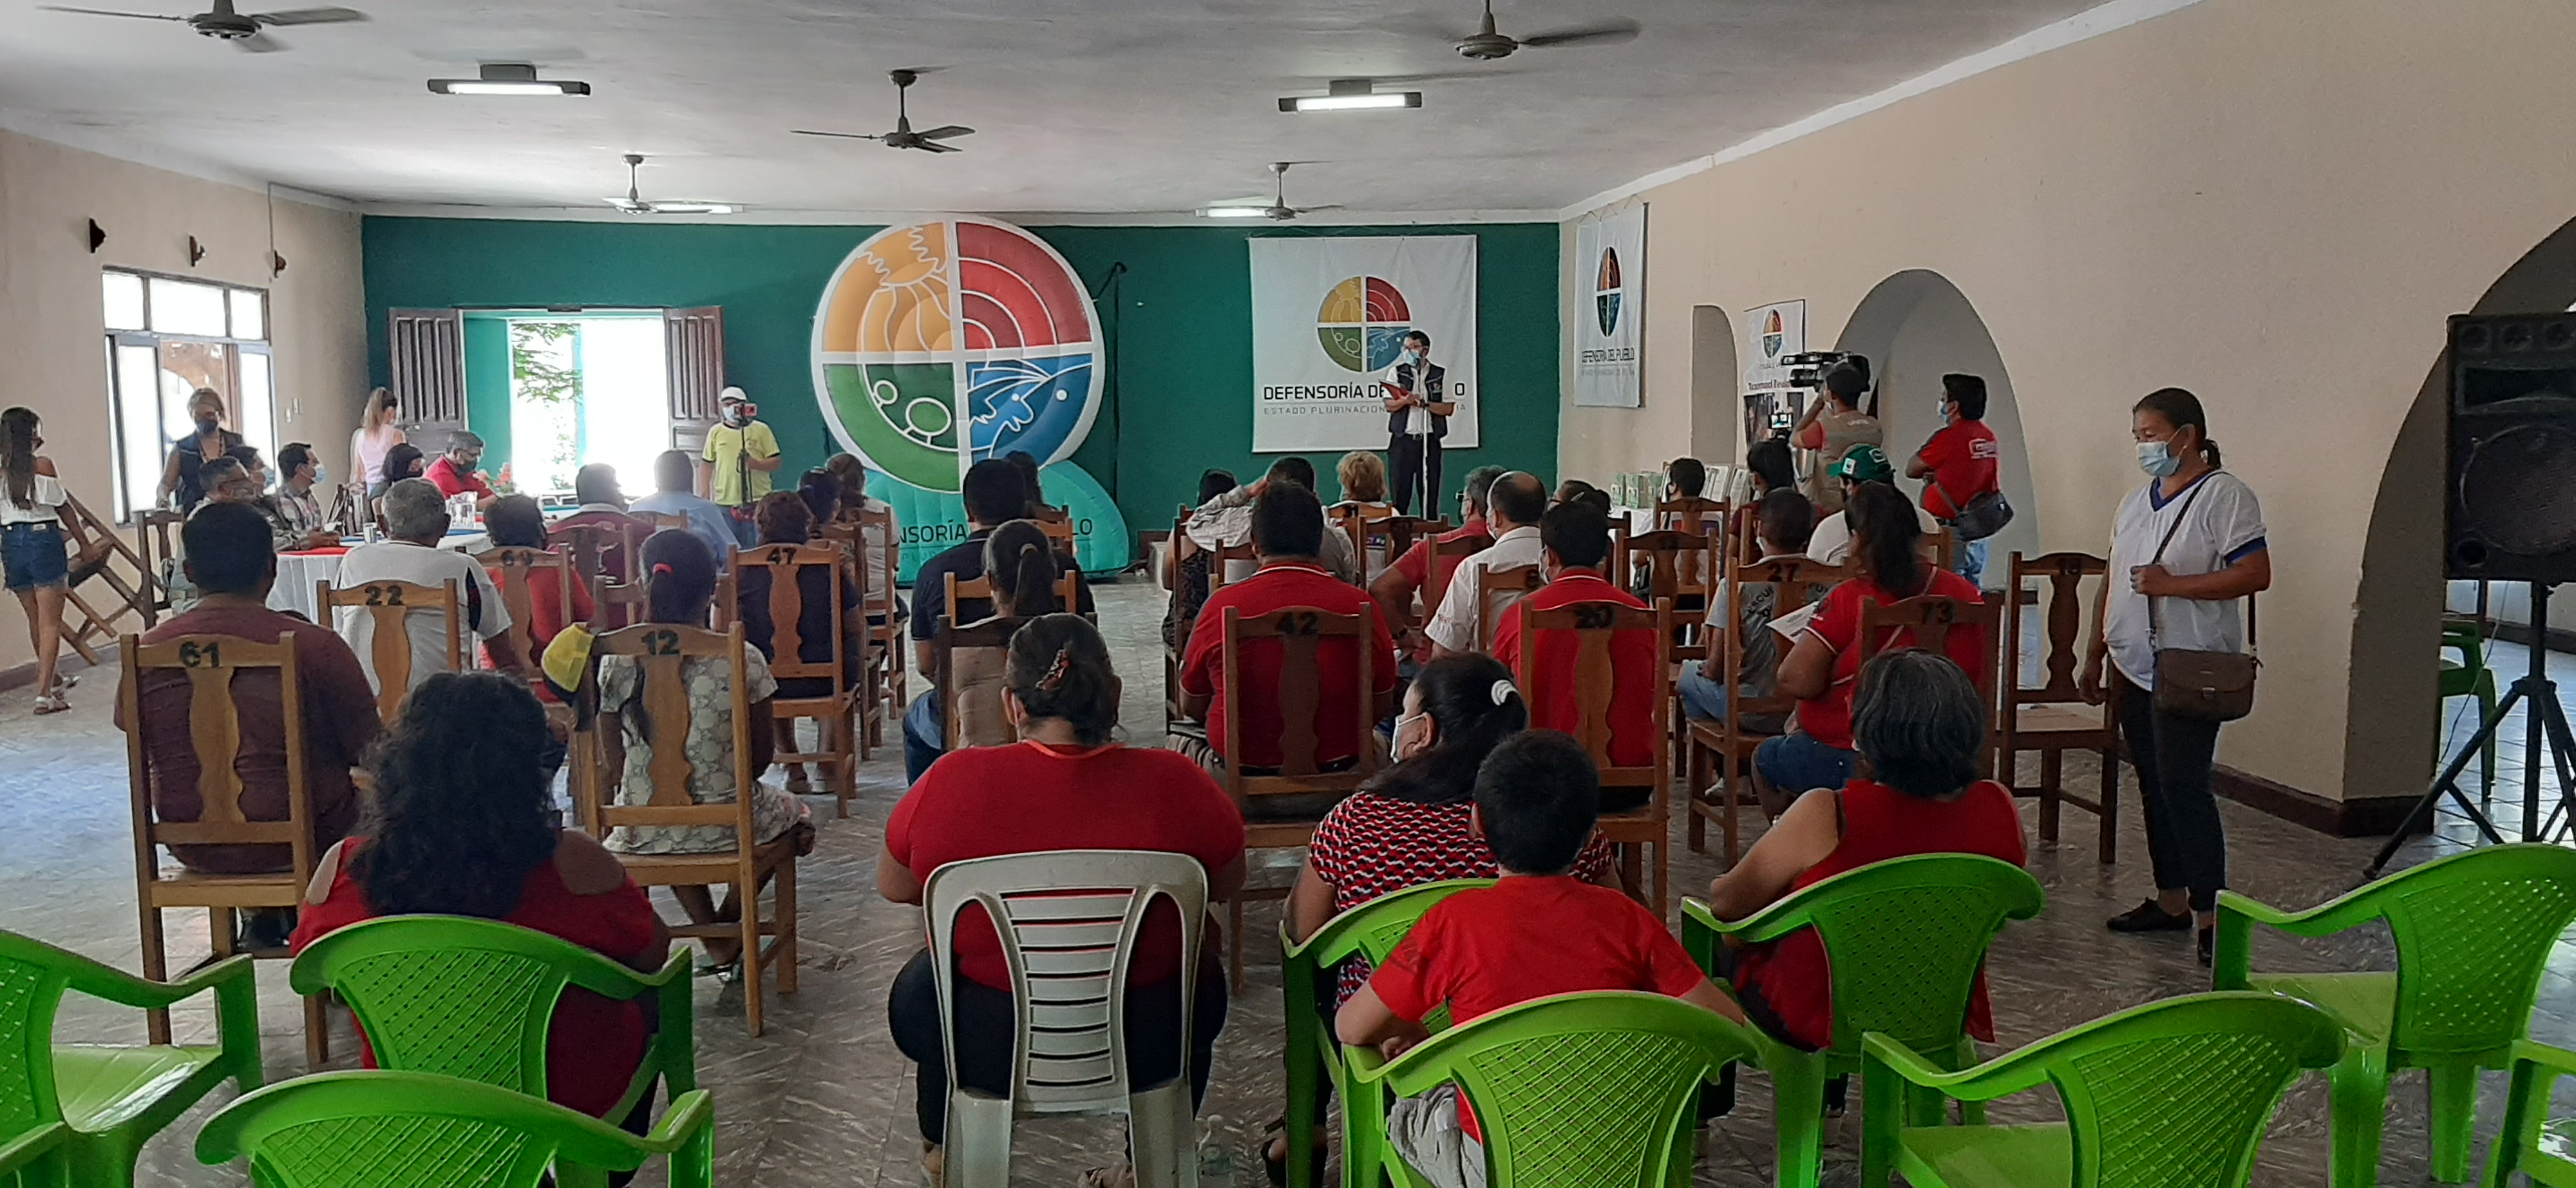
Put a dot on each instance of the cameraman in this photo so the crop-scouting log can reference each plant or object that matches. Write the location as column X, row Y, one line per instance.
column 1832, row 426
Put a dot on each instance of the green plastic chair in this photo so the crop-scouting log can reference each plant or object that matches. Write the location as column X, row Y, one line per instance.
column 376, row 1129
column 2173, row 1094
column 2519, row 1147
column 2469, row 676
column 2473, row 932
column 1370, row 930
column 84, row 1111
column 473, row 998
column 1598, row 1090
column 1905, row 938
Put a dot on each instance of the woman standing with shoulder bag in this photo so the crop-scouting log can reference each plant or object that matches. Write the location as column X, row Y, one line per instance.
column 2184, row 548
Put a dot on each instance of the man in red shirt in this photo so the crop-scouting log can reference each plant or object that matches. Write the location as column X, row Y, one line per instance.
column 454, row 472
column 1960, row 462
column 1537, row 931
column 1287, row 532
column 1575, row 541
column 1397, row 584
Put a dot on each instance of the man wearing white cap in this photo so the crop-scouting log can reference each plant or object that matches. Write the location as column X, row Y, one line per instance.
column 741, row 453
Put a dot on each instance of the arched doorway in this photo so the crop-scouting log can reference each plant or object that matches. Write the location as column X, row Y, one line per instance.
column 1916, row 326
column 1716, row 414
column 2391, row 707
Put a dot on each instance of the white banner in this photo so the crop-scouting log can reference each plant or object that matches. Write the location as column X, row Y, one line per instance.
column 1771, row 333
column 1609, row 325
column 1329, row 318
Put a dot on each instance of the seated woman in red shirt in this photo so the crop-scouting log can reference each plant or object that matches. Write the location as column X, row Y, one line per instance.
column 1821, row 667
column 516, row 522
column 1064, row 786
column 1920, row 722
column 462, row 825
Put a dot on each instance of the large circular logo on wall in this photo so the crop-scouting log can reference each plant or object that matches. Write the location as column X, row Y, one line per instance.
column 1362, row 323
column 1606, row 290
column 945, row 342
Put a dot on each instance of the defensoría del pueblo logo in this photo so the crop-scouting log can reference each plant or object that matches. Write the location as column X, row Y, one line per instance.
column 1362, row 323
column 946, row 342
column 1773, row 335
column 1606, row 290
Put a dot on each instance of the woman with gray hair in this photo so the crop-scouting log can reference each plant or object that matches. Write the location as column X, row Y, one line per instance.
column 1920, row 723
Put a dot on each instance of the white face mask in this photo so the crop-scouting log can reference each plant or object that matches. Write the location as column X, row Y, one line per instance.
column 2157, row 459
column 1405, row 749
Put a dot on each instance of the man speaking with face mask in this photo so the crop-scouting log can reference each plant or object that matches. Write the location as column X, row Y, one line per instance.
column 1417, row 418
column 741, row 453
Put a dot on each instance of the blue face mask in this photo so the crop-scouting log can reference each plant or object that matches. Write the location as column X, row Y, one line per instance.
column 321, row 474
column 2157, row 459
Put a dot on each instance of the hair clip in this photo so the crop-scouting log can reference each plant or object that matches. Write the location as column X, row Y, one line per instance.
column 1054, row 678
column 662, row 568
column 1502, row 692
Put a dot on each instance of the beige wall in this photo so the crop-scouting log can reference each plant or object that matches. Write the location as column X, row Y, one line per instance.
column 2272, row 202
column 49, row 301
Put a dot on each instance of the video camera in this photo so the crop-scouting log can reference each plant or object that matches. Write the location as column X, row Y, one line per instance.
column 1807, row 370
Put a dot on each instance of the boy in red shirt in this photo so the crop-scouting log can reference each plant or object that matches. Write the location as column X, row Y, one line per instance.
column 1536, row 932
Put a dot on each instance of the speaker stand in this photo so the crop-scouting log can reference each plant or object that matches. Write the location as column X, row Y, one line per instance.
column 2544, row 728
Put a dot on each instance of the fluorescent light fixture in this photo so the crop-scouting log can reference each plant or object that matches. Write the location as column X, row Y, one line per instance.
column 507, row 78
column 704, row 208
column 1351, row 94
column 1233, row 212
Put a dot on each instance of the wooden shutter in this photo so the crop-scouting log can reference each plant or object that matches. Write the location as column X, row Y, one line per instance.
column 694, row 352
column 428, row 354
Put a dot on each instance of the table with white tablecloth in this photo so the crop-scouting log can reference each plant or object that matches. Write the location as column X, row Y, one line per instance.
column 299, row 573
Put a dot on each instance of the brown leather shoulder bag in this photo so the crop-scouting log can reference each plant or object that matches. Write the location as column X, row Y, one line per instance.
column 2190, row 683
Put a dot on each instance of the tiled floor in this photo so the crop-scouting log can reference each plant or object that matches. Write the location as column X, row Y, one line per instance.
column 825, row 1100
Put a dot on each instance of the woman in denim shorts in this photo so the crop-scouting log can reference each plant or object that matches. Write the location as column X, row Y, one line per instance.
column 31, row 547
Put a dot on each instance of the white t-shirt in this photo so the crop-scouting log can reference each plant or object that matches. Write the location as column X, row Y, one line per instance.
column 483, row 616
column 1831, row 541
column 1453, row 623
column 2221, row 525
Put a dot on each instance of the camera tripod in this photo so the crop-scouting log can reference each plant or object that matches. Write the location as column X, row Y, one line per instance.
column 2544, row 728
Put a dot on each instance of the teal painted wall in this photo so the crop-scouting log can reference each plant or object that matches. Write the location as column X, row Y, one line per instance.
column 1174, row 400
column 487, row 388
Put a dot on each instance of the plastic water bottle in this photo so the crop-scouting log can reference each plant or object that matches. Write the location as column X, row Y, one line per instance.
column 1216, row 1152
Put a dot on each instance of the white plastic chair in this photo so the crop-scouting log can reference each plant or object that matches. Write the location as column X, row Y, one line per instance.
column 1069, row 920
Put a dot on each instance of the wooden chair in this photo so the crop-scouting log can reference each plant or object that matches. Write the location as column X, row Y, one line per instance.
column 1068, row 591
column 1510, row 586
column 1223, row 559
column 1595, row 625
column 992, row 633
column 514, row 567
column 1942, row 547
column 210, row 663
column 1690, row 513
column 391, row 604
column 1680, row 567
column 156, row 533
column 835, row 712
column 660, row 650
column 888, row 679
column 1300, row 633
column 97, row 625
column 1059, row 532
column 610, row 554
column 1930, row 618
column 1720, row 753
column 662, row 520
column 1445, row 556
column 2052, row 718
column 1361, row 523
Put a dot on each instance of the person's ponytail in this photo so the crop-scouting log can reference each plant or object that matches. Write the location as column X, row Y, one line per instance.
column 1020, row 562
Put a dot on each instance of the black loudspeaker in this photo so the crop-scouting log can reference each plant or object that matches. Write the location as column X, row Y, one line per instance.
column 2510, row 505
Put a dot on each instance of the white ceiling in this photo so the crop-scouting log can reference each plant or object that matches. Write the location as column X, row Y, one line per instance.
column 1082, row 106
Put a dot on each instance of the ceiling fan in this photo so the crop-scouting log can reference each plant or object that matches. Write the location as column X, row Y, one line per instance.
column 903, row 137
column 633, row 203
column 1278, row 208
column 247, row 30
column 1485, row 44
